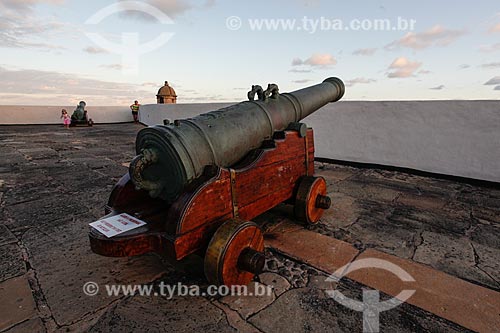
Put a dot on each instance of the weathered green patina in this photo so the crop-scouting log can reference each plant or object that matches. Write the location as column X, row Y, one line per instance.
column 171, row 156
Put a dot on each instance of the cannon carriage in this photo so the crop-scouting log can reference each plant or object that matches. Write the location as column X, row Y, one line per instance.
column 198, row 183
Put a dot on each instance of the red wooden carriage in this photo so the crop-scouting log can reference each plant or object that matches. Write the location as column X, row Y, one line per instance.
column 212, row 217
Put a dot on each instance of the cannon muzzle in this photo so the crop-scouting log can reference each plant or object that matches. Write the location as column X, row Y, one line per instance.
column 171, row 156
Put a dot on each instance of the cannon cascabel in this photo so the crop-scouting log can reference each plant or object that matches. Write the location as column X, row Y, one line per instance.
column 171, row 156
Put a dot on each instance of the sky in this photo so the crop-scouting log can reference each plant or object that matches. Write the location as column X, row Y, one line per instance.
column 58, row 52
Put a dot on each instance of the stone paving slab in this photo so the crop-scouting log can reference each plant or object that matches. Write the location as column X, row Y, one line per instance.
column 64, row 263
column 249, row 305
column 6, row 236
column 12, row 263
column 26, row 190
column 17, row 303
column 193, row 314
column 486, row 259
column 303, row 310
column 34, row 325
column 444, row 253
column 466, row 304
column 305, row 246
column 425, row 219
column 276, row 281
column 44, row 211
column 235, row 320
column 312, row 310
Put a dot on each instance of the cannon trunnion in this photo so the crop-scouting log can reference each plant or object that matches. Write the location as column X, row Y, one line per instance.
column 212, row 214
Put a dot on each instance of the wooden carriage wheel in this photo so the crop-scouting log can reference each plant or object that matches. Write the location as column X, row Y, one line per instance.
column 311, row 199
column 235, row 253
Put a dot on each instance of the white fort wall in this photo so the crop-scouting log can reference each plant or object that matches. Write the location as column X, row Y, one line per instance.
column 460, row 138
column 33, row 114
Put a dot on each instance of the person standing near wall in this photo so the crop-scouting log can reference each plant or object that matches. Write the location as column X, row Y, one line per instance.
column 66, row 118
column 135, row 111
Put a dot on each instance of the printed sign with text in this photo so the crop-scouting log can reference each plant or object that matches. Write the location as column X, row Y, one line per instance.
column 115, row 225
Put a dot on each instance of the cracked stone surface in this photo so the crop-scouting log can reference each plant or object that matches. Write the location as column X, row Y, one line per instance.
column 276, row 281
column 312, row 310
column 12, row 263
column 17, row 302
column 297, row 274
column 6, row 236
column 34, row 325
column 53, row 182
column 429, row 220
column 247, row 306
column 180, row 314
column 486, row 260
column 64, row 262
column 454, row 254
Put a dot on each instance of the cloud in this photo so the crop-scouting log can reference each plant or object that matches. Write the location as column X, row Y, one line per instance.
column 424, row 71
column 24, row 34
column 21, row 28
column 35, row 87
column 54, row 87
column 497, row 88
column 441, row 87
column 171, row 8
column 490, row 48
column 359, row 80
column 435, row 36
column 493, row 81
column 321, row 60
column 296, row 70
column 310, row 3
column 403, row 68
column 151, row 84
column 491, row 65
column 209, row 3
column 495, row 28
column 464, row 66
column 365, row 52
column 94, row 50
column 316, row 60
column 117, row 67
column 26, row 5
column 301, row 81
column 207, row 98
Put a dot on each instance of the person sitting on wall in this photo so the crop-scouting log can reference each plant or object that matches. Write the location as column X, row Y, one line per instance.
column 135, row 111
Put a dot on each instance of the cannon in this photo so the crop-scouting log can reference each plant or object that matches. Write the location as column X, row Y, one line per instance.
column 197, row 183
column 80, row 116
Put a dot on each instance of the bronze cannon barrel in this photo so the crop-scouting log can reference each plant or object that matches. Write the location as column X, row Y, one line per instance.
column 171, row 156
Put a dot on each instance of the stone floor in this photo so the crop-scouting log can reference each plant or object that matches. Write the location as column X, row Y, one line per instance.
column 53, row 182
column 450, row 226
